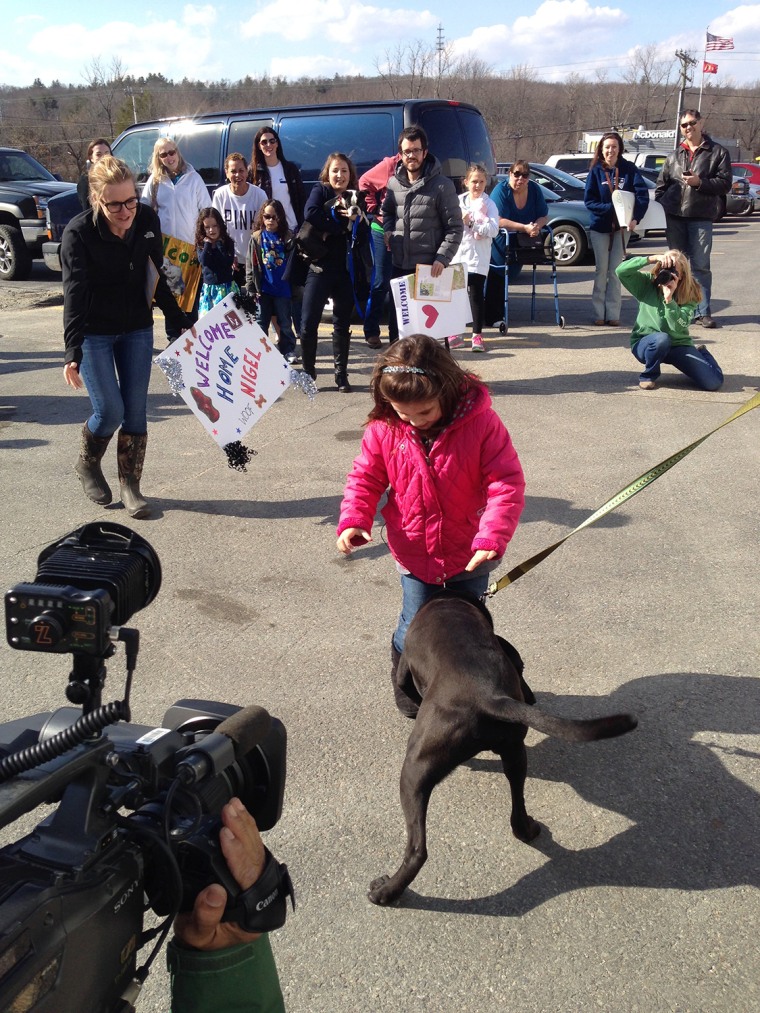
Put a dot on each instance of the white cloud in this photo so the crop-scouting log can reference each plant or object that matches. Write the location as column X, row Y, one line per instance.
column 350, row 24
column 548, row 35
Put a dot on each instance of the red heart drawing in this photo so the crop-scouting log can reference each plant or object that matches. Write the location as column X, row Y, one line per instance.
column 431, row 315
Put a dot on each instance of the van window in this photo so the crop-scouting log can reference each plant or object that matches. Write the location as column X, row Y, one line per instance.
column 136, row 149
column 477, row 139
column 307, row 139
column 242, row 133
column 445, row 138
column 199, row 143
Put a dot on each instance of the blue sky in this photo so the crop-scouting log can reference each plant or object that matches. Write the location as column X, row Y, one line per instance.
column 292, row 38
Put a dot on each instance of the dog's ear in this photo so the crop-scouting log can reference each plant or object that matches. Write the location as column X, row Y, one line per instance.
column 512, row 653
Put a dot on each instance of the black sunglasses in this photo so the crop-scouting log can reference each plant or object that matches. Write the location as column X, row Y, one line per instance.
column 688, row 123
column 520, row 175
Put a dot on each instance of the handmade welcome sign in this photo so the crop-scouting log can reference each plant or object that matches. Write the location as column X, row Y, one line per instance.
column 229, row 373
column 424, row 315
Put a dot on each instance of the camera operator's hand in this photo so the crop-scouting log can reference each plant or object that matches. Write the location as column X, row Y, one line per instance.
column 202, row 928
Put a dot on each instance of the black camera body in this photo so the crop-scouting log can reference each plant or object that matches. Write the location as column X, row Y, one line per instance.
column 136, row 822
column 664, row 276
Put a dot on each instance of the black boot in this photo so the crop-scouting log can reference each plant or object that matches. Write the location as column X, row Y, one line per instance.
column 131, row 454
column 407, row 698
column 341, row 343
column 88, row 467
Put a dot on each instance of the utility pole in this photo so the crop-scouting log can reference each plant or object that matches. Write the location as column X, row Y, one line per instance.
column 686, row 62
column 440, row 47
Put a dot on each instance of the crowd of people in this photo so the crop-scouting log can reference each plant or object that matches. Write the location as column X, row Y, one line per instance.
column 290, row 251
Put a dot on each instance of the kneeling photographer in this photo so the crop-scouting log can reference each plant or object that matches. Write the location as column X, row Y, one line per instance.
column 668, row 296
column 164, row 818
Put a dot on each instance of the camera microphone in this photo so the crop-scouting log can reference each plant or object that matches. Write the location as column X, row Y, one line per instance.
column 232, row 740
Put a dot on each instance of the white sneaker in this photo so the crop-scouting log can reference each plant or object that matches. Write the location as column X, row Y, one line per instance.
column 477, row 343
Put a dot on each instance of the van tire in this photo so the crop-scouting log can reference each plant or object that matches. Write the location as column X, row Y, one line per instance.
column 570, row 246
column 15, row 259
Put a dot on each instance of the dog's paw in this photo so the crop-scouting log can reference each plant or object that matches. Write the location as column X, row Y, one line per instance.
column 527, row 831
column 378, row 892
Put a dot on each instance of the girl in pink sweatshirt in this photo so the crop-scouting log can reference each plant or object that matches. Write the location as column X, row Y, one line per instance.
column 454, row 482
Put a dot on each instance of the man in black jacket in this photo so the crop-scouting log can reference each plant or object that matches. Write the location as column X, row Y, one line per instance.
column 422, row 219
column 692, row 187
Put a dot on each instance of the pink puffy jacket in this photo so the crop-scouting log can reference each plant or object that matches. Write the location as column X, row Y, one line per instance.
column 468, row 494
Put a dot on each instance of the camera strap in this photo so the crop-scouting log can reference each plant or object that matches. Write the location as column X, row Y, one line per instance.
column 263, row 906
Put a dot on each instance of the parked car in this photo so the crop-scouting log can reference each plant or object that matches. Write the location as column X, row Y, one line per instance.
column 570, row 221
column 366, row 131
column 749, row 170
column 561, row 183
column 25, row 187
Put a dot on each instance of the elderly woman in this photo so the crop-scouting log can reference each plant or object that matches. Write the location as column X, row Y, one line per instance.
column 111, row 257
column 175, row 191
column 522, row 210
column 610, row 172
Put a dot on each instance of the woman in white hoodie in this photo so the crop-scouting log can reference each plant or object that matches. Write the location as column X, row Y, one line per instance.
column 175, row 191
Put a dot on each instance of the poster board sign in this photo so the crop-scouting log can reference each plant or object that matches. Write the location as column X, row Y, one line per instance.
column 424, row 316
column 654, row 217
column 227, row 371
column 182, row 271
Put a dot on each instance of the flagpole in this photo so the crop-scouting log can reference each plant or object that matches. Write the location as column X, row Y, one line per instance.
column 702, row 81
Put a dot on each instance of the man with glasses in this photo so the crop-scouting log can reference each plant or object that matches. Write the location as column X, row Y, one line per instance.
column 692, row 187
column 422, row 219
column 238, row 202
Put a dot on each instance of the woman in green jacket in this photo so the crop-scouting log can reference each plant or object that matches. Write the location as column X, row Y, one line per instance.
column 668, row 296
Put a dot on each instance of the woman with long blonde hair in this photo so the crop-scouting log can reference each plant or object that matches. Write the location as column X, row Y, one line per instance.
column 109, row 254
column 668, row 296
column 174, row 190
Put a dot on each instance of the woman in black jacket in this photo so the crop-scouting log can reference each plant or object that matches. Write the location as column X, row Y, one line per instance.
column 328, row 277
column 112, row 258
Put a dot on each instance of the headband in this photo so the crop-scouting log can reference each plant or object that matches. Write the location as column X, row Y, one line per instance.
column 404, row 369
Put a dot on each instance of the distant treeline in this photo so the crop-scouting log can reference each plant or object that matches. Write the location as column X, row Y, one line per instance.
column 527, row 117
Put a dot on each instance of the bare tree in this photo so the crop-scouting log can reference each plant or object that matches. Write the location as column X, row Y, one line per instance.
column 107, row 85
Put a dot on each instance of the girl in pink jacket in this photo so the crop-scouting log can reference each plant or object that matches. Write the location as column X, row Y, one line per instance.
column 454, row 482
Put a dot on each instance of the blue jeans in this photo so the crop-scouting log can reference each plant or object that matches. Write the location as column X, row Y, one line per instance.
column 416, row 592
column 116, row 371
column 381, row 284
column 698, row 365
column 693, row 236
column 606, row 296
column 279, row 307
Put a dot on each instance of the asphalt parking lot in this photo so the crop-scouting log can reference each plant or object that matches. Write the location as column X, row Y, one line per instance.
column 641, row 893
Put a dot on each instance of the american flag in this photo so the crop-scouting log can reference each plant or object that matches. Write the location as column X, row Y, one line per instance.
column 715, row 42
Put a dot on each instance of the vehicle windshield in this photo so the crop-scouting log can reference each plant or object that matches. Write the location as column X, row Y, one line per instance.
column 18, row 167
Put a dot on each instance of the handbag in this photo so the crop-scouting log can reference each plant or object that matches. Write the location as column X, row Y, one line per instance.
column 310, row 243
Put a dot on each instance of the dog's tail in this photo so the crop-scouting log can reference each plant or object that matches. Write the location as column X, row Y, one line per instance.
column 570, row 729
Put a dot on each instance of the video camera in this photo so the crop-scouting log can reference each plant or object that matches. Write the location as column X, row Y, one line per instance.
column 74, row 891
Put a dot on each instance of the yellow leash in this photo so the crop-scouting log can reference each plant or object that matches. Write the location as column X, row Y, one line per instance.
column 621, row 497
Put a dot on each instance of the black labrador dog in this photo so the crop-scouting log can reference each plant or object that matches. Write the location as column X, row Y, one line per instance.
column 472, row 697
